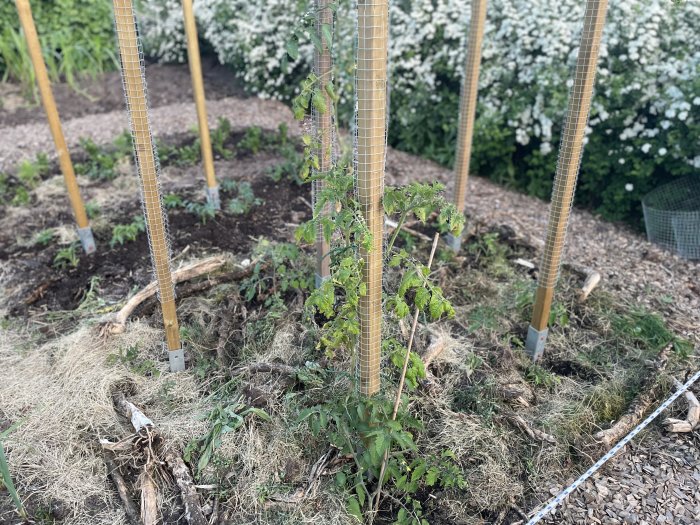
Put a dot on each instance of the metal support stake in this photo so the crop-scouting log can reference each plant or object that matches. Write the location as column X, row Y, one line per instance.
column 467, row 110
column 372, row 30
column 133, row 76
column 568, row 165
column 42, row 79
column 198, row 89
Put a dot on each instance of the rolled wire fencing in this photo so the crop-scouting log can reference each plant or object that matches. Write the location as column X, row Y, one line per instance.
column 146, row 158
column 47, row 99
column 672, row 216
column 370, row 158
column 568, row 164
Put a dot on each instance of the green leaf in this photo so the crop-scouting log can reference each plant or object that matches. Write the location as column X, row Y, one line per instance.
column 293, row 49
column 327, row 32
column 353, row 507
column 432, row 476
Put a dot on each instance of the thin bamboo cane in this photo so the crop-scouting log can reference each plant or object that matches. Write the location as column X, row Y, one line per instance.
column 146, row 161
column 568, row 165
column 372, row 16
column 200, row 102
column 323, row 122
column 42, row 79
column 467, row 107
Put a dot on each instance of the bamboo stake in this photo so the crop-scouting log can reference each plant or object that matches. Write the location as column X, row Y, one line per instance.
column 372, row 16
column 323, row 122
column 399, row 391
column 146, row 161
column 42, row 79
column 568, row 166
column 467, row 109
column 194, row 59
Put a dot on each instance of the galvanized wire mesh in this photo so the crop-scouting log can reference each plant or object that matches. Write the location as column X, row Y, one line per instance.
column 672, row 216
column 571, row 147
column 323, row 129
column 146, row 158
column 467, row 101
column 370, row 158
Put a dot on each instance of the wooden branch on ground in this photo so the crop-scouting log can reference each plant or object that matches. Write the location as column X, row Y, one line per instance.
column 132, row 513
column 436, row 347
column 589, row 284
column 647, row 395
column 149, row 498
column 391, row 226
column 181, row 474
column 692, row 420
column 531, row 431
column 116, row 323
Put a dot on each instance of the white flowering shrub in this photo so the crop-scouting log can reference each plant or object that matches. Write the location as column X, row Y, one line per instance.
column 645, row 116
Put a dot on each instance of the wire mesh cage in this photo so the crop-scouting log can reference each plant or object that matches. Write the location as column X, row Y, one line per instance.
column 672, row 216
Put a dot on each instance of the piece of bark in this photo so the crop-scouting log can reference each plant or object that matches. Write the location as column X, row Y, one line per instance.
column 647, row 395
column 181, row 474
column 132, row 513
column 116, row 323
column 692, row 420
column 188, row 492
column 435, row 348
column 149, row 499
column 592, row 280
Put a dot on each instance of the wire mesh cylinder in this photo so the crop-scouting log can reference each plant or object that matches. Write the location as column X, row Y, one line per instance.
column 672, row 216
column 133, row 77
column 323, row 128
column 467, row 101
column 372, row 33
column 570, row 151
column 42, row 79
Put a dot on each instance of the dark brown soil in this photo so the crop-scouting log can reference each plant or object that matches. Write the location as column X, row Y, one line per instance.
column 123, row 267
column 167, row 84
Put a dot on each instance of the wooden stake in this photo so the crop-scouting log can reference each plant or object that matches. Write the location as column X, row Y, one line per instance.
column 199, row 99
column 372, row 16
column 567, row 169
column 42, row 79
column 323, row 122
column 399, row 391
column 144, row 151
column 467, row 104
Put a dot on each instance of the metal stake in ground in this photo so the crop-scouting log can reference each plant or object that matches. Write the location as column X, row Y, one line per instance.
column 567, row 172
column 323, row 129
column 372, row 24
column 467, row 109
column 199, row 100
column 133, row 76
column 64, row 160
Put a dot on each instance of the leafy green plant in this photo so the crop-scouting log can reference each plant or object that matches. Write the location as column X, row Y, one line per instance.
column 225, row 417
column 102, row 163
column 30, row 173
column 172, row 201
column 21, row 197
column 92, row 209
column 541, row 377
column 245, row 198
column 122, row 233
column 204, row 211
column 219, row 136
column 6, row 476
column 67, row 257
column 131, row 357
column 44, row 237
column 252, row 141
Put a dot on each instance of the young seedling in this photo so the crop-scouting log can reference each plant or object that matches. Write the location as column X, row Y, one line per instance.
column 212, row 191
column 42, row 78
column 66, row 257
column 467, row 109
column 6, row 476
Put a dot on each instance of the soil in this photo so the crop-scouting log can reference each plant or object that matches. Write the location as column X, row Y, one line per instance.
column 167, row 84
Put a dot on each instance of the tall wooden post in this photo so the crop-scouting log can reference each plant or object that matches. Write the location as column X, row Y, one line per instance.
column 372, row 28
column 568, row 165
column 64, row 160
column 200, row 102
column 323, row 124
column 133, row 76
column 467, row 109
